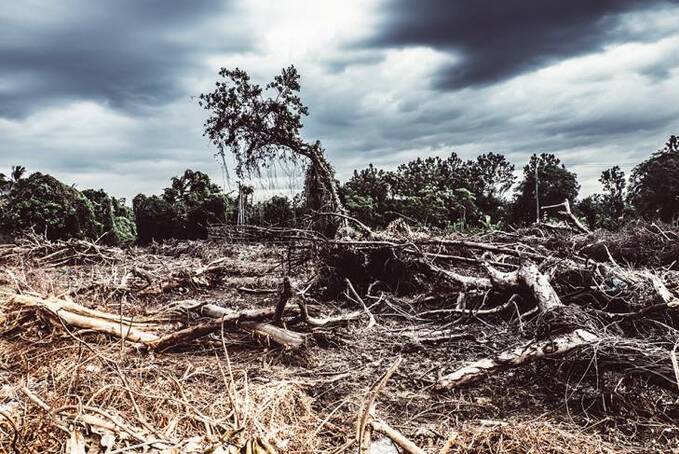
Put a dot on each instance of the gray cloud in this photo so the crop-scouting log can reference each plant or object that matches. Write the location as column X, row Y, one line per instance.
column 128, row 54
column 99, row 93
column 496, row 40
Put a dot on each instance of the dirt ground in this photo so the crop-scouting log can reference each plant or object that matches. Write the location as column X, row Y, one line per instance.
column 236, row 388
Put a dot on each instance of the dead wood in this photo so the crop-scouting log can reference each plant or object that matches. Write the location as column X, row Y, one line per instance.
column 396, row 436
column 286, row 338
column 519, row 356
column 325, row 321
column 284, row 295
column 200, row 277
column 569, row 215
column 281, row 336
column 83, row 318
column 365, row 415
column 257, row 291
column 605, row 331
column 147, row 332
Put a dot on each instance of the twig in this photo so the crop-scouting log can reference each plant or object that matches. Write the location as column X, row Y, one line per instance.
column 372, row 321
column 362, row 435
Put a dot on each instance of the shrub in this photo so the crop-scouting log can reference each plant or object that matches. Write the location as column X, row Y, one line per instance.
column 44, row 205
column 155, row 218
column 116, row 221
column 184, row 211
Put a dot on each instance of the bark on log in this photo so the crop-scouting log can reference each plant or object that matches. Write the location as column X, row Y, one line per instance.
column 75, row 315
column 533, row 280
column 286, row 338
column 72, row 314
column 519, row 356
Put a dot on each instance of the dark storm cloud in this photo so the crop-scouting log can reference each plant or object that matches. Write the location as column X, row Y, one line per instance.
column 98, row 93
column 498, row 39
column 125, row 54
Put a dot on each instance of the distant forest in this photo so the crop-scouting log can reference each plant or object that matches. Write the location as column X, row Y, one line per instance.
column 444, row 194
column 261, row 125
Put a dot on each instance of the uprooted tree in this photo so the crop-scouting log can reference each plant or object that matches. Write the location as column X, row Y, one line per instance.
column 260, row 125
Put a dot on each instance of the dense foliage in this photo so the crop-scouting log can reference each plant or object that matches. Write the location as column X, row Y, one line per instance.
column 42, row 204
column 277, row 211
column 654, row 184
column 115, row 220
column 607, row 210
column 184, row 210
column 555, row 184
column 443, row 193
column 449, row 194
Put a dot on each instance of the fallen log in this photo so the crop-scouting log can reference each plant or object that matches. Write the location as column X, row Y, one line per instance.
column 530, row 279
column 519, row 356
column 285, row 337
column 562, row 329
column 75, row 315
column 80, row 317
column 281, row 336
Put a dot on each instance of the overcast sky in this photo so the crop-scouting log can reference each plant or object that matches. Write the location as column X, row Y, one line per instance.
column 102, row 94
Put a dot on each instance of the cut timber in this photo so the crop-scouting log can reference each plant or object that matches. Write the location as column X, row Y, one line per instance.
column 533, row 280
column 524, row 354
column 281, row 336
column 185, row 335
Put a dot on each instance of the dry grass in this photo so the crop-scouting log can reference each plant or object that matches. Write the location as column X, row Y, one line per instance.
column 514, row 436
column 231, row 388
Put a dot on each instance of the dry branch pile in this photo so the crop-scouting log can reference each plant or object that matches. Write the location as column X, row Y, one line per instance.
column 509, row 342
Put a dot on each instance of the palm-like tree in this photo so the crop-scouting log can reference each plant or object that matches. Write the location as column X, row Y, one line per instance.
column 16, row 174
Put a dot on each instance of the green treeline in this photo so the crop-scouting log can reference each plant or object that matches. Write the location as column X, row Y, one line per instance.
column 441, row 193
